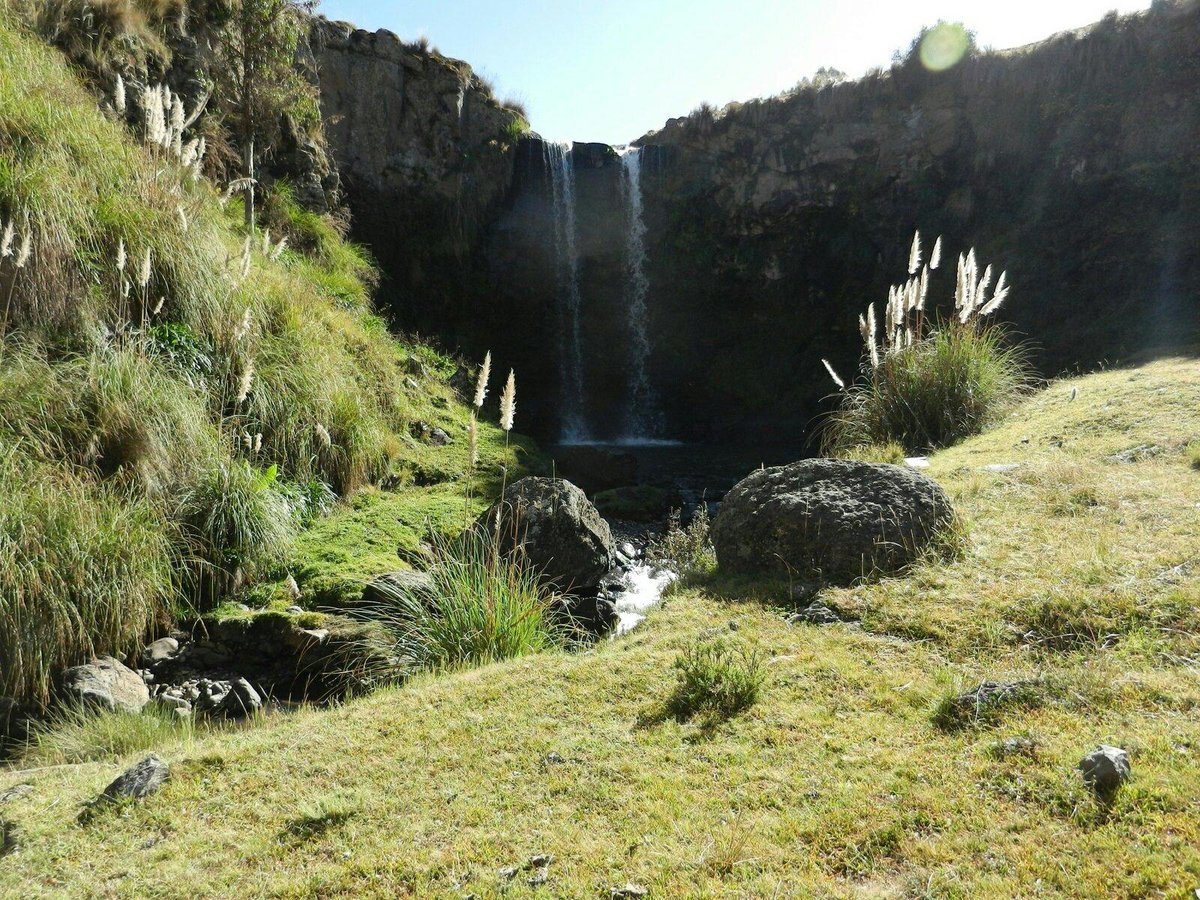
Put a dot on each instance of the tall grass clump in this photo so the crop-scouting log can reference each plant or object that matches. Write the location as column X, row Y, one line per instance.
column 482, row 606
column 236, row 524
column 928, row 381
column 685, row 549
column 77, row 734
column 84, row 569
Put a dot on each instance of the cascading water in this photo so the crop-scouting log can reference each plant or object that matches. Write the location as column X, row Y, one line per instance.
column 559, row 164
column 643, row 418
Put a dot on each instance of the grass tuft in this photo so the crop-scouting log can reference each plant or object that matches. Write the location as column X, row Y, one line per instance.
column 716, row 678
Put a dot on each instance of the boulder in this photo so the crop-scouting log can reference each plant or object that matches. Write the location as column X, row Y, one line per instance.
column 160, row 651
column 241, row 700
column 1105, row 769
column 108, row 683
column 140, row 780
column 834, row 518
column 563, row 534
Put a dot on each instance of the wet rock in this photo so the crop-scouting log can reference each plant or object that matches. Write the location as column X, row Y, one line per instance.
column 562, row 533
column 107, row 683
column 1105, row 769
column 139, row 780
column 16, row 792
column 834, row 518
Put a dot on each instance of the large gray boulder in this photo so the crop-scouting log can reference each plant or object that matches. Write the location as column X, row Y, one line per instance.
column 107, row 683
column 563, row 534
column 833, row 518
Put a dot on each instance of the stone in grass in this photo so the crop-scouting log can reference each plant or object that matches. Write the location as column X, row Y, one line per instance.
column 241, row 701
column 1105, row 769
column 139, row 780
column 816, row 613
column 984, row 703
column 630, row 891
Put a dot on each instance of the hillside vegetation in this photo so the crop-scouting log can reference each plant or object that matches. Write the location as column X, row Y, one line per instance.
column 852, row 775
column 178, row 401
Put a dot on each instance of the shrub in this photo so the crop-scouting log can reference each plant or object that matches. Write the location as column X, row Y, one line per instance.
column 483, row 606
column 83, row 570
column 985, row 704
column 236, row 524
column 929, row 382
column 715, row 678
column 684, row 550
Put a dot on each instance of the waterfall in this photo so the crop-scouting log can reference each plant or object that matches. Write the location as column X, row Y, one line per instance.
column 559, row 164
column 643, row 418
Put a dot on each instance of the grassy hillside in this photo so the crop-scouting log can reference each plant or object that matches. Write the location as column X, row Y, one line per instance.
column 843, row 780
column 178, row 401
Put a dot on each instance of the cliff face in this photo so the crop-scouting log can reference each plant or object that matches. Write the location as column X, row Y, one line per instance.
column 1073, row 164
column 425, row 154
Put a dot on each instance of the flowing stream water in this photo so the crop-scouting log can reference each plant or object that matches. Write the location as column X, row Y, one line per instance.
column 560, row 165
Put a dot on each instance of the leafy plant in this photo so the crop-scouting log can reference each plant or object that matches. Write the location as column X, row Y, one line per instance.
column 686, row 550
column 716, row 678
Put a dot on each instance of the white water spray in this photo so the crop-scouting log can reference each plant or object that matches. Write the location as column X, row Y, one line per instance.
column 643, row 418
column 570, row 342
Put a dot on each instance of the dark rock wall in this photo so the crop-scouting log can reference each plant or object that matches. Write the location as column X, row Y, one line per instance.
column 1074, row 164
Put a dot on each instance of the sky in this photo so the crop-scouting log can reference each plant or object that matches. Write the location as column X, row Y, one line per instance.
column 611, row 70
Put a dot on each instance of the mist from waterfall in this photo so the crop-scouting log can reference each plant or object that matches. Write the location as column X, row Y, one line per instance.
column 643, row 417
column 560, row 166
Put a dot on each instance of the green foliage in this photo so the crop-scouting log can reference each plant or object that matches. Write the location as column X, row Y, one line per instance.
column 716, row 678
column 84, row 569
column 685, row 550
column 949, row 385
column 102, row 34
column 236, row 524
column 484, row 606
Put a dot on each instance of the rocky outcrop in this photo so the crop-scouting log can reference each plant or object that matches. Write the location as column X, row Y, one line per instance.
column 837, row 519
column 561, row 534
column 425, row 154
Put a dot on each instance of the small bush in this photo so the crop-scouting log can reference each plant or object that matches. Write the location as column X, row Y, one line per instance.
column 484, row 606
column 685, row 550
column 1193, row 455
column 716, row 678
column 985, row 704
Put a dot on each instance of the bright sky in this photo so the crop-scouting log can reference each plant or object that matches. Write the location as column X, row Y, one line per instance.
column 611, row 70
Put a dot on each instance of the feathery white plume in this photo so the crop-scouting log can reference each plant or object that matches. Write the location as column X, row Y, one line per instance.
column 246, row 381
column 914, row 255
column 508, row 402
column 6, row 241
column 323, row 434
column 121, row 255
column 834, row 375
column 25, row 249
column 481, row 381
column 278, row 251
column 119, row 95
column 935, row 258
column 473, row 442
column 144, row 273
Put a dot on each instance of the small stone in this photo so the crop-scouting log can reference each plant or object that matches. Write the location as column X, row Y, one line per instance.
column 241, row 700
column 554, row 758
column 295, row 610
column 538, row 878
column 1105, row 769
column 508, row 873
column 540, row 860
column 629, row 550
column 169, row 701
column 16, row 792
column 439, row 438
column 629, row 891
column 816, row 613
column 160, row 651
column 140, row 780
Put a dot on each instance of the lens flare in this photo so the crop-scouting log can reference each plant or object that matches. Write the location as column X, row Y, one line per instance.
column 944, row 46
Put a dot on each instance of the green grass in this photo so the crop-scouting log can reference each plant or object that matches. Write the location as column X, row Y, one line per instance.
column 837, row 782
column 943, row 388
column 716, row 678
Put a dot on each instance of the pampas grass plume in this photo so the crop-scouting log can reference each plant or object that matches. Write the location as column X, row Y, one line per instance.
column 914, row 255
column 6, row 240
column 837, row 379
column 121, row 255
column 481, row 382
column 508, row 402
column 473, row 442
column 119, row 95
column 144, row 274
column 25, row 249
column 935, row 258
column 247, row 380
